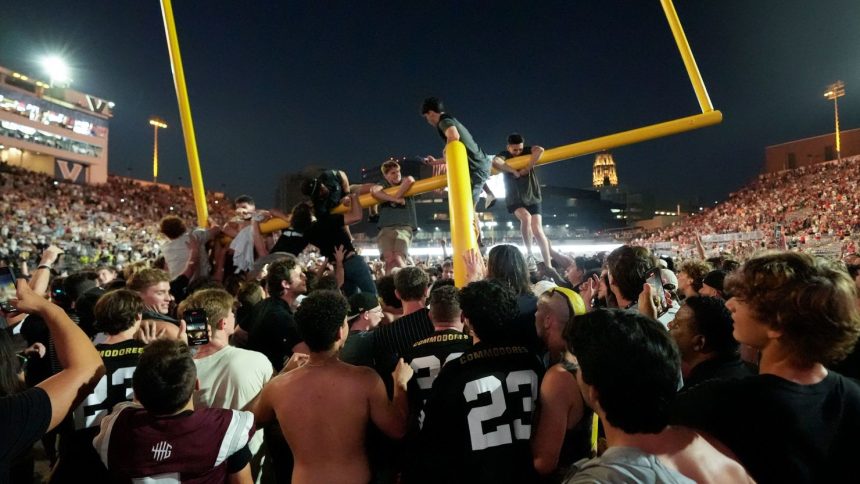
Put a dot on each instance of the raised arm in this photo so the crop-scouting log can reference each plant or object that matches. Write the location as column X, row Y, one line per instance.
column 41, row 278
column 82, row 365
column 339, row 275
column 700, row 248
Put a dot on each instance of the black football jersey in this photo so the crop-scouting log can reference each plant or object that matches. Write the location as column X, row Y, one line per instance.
column 78, row 459
column 478, row 418
column 427, row 357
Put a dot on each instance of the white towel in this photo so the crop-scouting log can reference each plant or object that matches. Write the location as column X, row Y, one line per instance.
column 243, row 249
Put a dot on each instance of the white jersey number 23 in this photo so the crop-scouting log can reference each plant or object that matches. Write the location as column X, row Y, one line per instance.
column 504, row 433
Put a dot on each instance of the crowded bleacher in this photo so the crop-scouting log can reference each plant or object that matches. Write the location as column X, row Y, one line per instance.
column 814, row 208
column 136, row 348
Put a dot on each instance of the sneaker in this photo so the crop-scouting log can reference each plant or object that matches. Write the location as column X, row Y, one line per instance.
column 489, row 201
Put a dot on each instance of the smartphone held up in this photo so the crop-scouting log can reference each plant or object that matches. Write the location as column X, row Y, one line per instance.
column 7, row 289
column 196, row 326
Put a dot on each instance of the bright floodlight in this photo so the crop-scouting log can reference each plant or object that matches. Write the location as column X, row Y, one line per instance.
column 57, row 69
column 157, row 122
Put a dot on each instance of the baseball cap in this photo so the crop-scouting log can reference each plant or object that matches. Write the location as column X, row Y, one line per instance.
column 715, row 279
column 361, row 302
column 669, row 278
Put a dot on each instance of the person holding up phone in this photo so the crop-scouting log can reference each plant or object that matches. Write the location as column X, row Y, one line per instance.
column 7, row 289
column 228, row 377
column 26, row 416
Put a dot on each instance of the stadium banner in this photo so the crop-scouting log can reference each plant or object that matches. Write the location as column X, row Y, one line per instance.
column 69, row 171
column 717, row 238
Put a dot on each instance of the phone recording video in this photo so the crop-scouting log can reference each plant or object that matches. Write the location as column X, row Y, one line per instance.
column 7, row 289
column 658, row 295
column 196, row 326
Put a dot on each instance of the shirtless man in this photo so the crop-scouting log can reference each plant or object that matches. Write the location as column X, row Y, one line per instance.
column 324, row 406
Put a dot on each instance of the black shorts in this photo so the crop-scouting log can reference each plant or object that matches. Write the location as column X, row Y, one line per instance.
column 532, row 209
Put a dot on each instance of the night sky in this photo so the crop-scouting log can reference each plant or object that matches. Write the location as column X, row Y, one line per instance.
column 275, row 86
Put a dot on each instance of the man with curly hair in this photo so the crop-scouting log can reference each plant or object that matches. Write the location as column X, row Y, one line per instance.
column 479, row 412
column 691, row 274
column 796, row 421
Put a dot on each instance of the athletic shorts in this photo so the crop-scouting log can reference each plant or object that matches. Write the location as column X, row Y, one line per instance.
column 395, row 238
column 532, row 209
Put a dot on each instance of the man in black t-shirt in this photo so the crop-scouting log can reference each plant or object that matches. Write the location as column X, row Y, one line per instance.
column 272, row 329
column 479, row 414
column 522, row 193
column 26, row 416
column 796, row 421
column 118, row 315
column 329, row 232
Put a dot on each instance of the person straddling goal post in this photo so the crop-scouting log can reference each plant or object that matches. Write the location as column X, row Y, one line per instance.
column 397, row 220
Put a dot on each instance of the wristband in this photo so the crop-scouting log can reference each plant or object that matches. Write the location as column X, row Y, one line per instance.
column 43, row 266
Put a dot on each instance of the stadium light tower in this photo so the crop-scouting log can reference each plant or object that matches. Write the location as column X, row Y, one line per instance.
column 156, row 123
column 834, row 92
column 57, row 70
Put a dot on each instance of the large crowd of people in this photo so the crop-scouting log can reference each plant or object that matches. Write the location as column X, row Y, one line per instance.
column 136, row 349
column 108, row 224
column 814, row 207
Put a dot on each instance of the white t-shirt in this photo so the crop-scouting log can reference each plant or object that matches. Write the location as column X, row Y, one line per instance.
column 231, row 378
column 176, row 254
